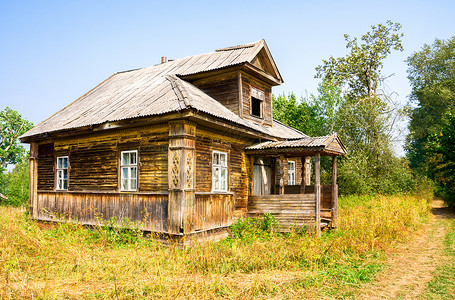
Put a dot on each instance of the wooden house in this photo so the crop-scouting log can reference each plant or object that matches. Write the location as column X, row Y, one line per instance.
column 184, row 147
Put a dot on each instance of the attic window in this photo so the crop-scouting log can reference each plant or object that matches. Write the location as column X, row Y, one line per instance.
column 257, row 97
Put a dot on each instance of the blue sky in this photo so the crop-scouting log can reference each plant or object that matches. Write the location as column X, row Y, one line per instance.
column 52, row 52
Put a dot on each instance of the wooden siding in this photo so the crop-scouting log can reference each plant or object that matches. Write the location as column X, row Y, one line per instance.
column 289, row 210
column 326, row 195
column 247, row 82
column 46, row 161
column 298, row 173
column 208, row 140
column 94, row 208
column 94, row 159
column 93, row 166
column 213, row 211
column 223, row 88
column 336, row 146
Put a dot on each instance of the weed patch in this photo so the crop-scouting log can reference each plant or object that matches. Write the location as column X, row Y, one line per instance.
column 70, row 261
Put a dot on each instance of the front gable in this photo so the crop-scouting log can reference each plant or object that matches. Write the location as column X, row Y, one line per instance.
column 264, row 61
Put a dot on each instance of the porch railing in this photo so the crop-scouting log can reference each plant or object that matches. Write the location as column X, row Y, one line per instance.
column 296, row 207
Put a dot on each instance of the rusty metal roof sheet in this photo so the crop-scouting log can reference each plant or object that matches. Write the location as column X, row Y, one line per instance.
column 152, row 91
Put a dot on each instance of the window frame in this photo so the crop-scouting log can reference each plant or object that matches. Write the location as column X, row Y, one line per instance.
column 258, row 95
column 218, row 173
column 291, row 172
column 61, row 170
column 129, row 166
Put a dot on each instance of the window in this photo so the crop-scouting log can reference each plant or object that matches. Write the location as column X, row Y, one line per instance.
column 128, row 170
column 219, row 171
column 62, row 173
column 257, row 96
column 291, row 173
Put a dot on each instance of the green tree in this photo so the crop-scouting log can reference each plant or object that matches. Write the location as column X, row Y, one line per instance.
column 367, row 111
column 17, row 184
column 365, row 118
column 300, row 114
column 328, row 102
column 442, row 146
column 11, row 127
column 431, row 73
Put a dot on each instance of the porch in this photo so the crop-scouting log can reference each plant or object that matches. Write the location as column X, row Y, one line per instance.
column 294, row 210
column 294, row 199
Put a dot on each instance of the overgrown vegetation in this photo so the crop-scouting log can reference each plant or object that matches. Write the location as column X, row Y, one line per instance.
column 64, row 260
column 14, row 184
column 430, row 143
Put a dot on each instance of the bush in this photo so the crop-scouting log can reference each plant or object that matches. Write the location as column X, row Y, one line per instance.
column 15, row 184
column 249, row 229
column 393, row 176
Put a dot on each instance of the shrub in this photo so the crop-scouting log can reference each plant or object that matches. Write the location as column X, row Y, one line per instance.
column 249, row 229
column 15, row 184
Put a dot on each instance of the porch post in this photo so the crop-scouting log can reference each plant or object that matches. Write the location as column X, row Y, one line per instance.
column 304, row 170
column 273, row 179
column 317, row 191
column 281, row 192
column 334, row 191
column 33, row 181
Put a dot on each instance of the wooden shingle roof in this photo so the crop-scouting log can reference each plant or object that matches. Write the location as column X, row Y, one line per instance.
column 158, row 90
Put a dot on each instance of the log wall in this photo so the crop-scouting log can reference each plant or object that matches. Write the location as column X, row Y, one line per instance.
column 46, row 161
column 93, row 208
column 208, row 140
column 94, row 159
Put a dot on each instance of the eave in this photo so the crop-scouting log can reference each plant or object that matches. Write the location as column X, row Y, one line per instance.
column 246, row 67
column 191, row 114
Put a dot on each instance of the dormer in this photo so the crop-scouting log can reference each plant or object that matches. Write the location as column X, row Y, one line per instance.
column 243, row 82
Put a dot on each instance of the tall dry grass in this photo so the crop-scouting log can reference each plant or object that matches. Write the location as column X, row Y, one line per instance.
column 68, row 261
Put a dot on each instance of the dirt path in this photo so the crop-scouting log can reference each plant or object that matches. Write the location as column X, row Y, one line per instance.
column 412, row 264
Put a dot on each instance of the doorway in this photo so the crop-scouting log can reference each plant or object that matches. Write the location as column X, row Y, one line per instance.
column 262, row 176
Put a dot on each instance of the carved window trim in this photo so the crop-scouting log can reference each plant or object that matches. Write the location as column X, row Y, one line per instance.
column 291, row 172
column 220, row 172
column 62, row 173
column 129, row 180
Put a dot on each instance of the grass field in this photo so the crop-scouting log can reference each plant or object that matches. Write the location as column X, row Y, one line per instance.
column 68, row 261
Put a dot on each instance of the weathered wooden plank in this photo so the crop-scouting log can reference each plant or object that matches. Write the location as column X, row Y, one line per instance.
column 213, row 211
column 95, row 207
column 290, row 209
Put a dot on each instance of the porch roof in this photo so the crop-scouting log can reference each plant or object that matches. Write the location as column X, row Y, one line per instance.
column 325, row 145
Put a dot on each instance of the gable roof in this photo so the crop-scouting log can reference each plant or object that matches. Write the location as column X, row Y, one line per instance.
column 157, row 90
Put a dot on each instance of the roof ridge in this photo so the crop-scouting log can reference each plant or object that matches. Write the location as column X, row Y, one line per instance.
column 249, row 45
column 131, row 70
